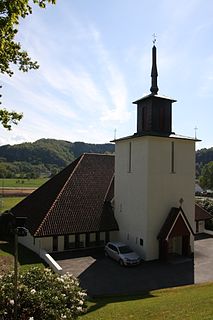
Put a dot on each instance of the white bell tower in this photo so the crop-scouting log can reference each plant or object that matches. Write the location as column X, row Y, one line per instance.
column 154, row 169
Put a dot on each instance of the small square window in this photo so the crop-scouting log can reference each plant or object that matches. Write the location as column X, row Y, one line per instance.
column 141, row 242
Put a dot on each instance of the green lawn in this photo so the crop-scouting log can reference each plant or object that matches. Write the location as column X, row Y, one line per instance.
column 183, row 303
column 7, row 203
column 22, row 183
column 26, row 257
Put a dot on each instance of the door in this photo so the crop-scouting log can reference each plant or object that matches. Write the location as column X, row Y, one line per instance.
column 186, row 246
column 175, row 245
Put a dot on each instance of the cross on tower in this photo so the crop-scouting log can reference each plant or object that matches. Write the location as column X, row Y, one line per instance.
column 154, row 38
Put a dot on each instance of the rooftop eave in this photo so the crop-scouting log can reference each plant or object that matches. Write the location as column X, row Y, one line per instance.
column 154, row 96
column 156, row 134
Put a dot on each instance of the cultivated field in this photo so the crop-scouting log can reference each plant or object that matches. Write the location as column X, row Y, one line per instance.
column 22, row 183
column 13, row 191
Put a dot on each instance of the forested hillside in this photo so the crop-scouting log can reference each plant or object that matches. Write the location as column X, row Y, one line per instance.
column 44, row 157
column 204, row 156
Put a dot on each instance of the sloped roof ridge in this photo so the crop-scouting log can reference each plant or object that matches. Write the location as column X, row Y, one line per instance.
column 171, row 220
column 203, row 214
column 110, row 184
column 98, row 154
column 181, row 213
column 59, row 194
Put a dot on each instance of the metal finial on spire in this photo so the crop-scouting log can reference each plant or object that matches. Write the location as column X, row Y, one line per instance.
column 195, row 132
column 154, row 38
column 115, row 131
column 154, row 72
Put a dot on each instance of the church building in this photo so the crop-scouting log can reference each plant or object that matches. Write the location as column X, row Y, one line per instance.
column 142, row 196
column 154, row 181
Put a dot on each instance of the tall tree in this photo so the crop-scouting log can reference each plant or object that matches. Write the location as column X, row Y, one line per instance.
column 206, row 179
column 10, row 51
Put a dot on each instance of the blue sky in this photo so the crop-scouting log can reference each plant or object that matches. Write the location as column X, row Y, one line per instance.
column 95, row 59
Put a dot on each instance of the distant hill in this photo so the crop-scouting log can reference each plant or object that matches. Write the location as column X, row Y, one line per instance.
column 204, row 156
column 44, row 156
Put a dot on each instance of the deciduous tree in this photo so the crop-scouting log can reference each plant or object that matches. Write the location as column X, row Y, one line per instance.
column 11, row 51
column 206, row 179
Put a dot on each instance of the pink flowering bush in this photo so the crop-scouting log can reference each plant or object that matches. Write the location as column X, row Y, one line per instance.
column 42, row 295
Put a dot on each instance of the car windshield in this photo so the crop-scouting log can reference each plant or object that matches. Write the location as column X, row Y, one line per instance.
column 125, row 249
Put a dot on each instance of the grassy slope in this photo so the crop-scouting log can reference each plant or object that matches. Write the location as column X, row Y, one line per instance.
column 9, row 202
column 26, row 257
column 22, row 183
column 189, row 302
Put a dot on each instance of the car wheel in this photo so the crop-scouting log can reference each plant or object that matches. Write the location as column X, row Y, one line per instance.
column 121, row 262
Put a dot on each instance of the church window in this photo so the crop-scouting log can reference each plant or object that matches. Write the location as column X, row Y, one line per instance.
column 161, row 119
column 172, row 157
column 144, row 119
column 120, row 207
column 130, row 157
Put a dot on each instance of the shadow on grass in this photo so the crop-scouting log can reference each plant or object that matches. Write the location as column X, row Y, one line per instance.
column 98, row 303
column 25, row 256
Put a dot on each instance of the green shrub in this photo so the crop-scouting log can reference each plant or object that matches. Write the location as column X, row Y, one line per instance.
column 42, row 295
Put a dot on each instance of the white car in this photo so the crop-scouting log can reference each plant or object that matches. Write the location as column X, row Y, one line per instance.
column 122, row 253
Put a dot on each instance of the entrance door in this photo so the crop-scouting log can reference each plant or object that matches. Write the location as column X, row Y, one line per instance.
column 175, row 245
column 186, row 246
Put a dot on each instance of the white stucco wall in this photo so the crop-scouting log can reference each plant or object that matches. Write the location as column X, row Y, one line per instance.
column 83, row 239
column 145, row 196
column 201, row 226
column 102, row 236
column 36, row 244
column 165, row 189
column 47, row 244
column 92, row 237
column 61, row 243
column 131, row 193
column 30, row 242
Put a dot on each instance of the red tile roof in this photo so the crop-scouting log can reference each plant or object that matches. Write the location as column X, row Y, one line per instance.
column 201, row 213
column 76, row 200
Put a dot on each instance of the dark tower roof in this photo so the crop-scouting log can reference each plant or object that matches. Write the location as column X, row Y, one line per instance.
column 154, row 112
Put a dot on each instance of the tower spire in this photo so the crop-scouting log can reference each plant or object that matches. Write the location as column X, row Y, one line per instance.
column 154, row 72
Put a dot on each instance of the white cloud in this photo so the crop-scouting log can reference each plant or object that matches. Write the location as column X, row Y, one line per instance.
column 114, row 83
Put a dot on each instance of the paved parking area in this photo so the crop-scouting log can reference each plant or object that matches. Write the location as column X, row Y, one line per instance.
column 204, row 259
column 102, row 276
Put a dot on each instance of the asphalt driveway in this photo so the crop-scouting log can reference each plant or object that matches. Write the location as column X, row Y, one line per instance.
column 102, row 276
column 204, row 259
